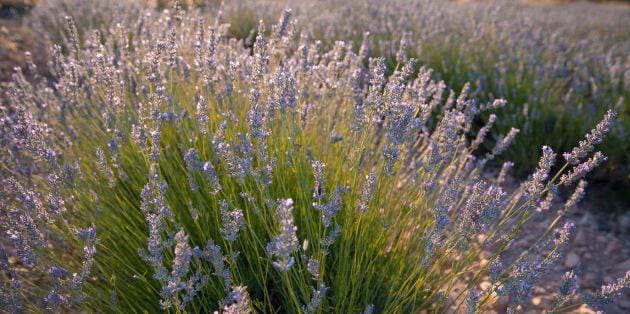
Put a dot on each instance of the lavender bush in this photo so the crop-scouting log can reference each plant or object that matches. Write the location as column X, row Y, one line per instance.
column 48, row 18
column 169, row 167
column 560, row 67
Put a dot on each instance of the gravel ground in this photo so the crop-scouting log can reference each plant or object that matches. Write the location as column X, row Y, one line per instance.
column 599, row 251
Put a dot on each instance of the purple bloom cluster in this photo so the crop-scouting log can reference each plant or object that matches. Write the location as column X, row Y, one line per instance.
column 286, row 242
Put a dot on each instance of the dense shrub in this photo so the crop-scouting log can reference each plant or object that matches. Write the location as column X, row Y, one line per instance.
column 169, row 167
column 559, row 67
column 49, row 19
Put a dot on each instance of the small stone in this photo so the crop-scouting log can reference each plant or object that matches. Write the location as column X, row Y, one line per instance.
column 484, row 286
column 540, row 302
column 625, row 265
column 587, row 219
column 589, row 281
column 580, row 238
column 481, row 238
column 501, row 304
column 584, row 309
column 624, row 304
column 623, row 222
column 571, row 260
column 611, row 247
column 608, row 279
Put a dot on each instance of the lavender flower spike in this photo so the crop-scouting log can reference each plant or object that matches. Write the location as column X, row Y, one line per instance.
column 366, row 192
column 593, row 138
column 232, row 222
column 606, row 293
column 318, row 172
column 240, row 299
column 286, row 243
column 579, row 171
column 503, row 144
column 316, row 299
column 576, row 197
column 536, row 184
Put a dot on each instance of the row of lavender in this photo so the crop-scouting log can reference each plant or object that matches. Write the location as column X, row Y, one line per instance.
column 560, row 67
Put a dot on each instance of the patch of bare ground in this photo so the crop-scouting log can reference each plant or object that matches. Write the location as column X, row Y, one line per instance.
column 599, row 252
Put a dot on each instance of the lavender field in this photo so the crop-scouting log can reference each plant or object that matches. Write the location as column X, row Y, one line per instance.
column 277, row 156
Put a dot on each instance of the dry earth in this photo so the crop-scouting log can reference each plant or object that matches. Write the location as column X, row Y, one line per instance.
column 599, row 252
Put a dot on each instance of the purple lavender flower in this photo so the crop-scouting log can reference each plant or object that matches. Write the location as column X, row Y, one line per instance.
column 239, row 299
column 202, row 114
column 366, row 192
column 536, row 184
column 286, row 242
column 232, row 222
column 280, row 29
column 211, row 176
column 569, row 287
column 471, row 303
column 593, row 138
column 318, row 172
column 331, row 207
column 481, row 135
column 369, row 309
column 606, row 294
column 55, row 298
column 193, row 164
column 391, row 155
column 546, row 203
column 495, row 269
column 444, row 203
column 313, row 268
column 505, row 168
column 563, row 234
column 576, row 197
column 316, row 299
column 579, row 171
column 505, row 142
column 213, row 254
column 481, row 208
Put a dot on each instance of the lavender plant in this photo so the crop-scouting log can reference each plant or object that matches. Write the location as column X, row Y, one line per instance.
column 172, row 168
column 558, row 66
